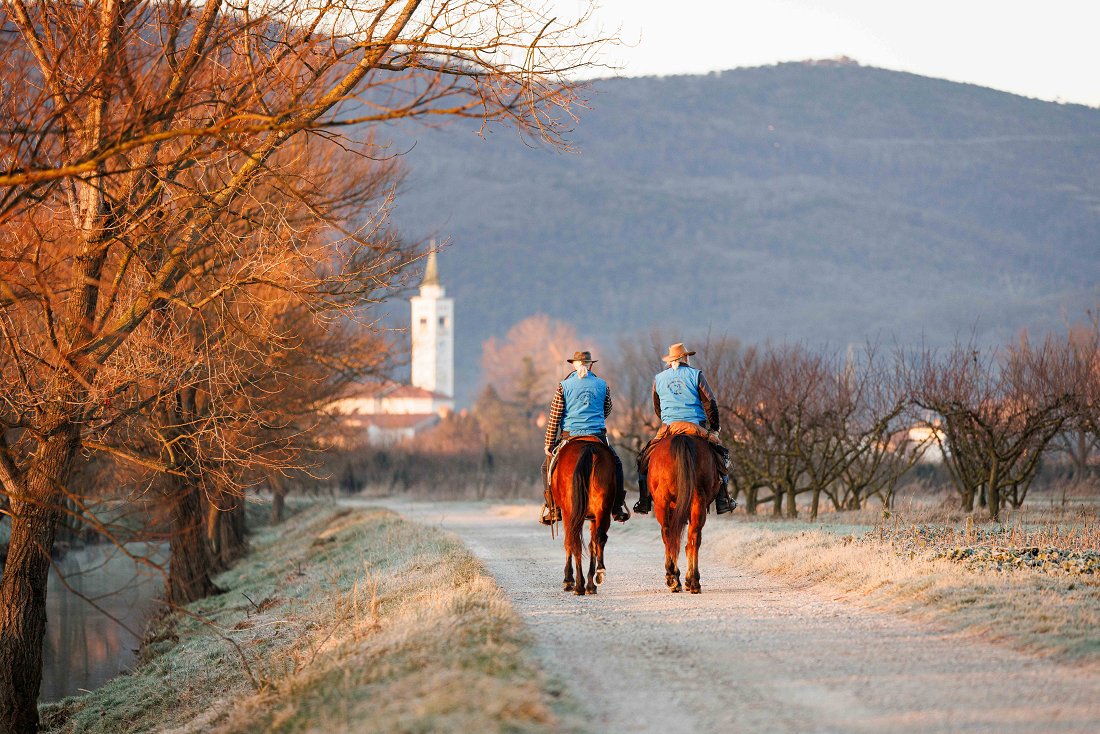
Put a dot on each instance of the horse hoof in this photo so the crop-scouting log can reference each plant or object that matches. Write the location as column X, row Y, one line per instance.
column 599, row 576
column 579, row 591
column 695, row 590
column 676, row 589
column 567, row 586
column 592, row 589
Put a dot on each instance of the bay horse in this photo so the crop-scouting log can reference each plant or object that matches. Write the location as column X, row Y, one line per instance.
column 683, row 480
column 583, row 486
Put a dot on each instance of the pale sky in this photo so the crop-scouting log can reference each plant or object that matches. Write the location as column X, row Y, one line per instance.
column 1048, row 49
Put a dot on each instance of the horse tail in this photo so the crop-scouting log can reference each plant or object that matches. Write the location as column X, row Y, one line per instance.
column 683, row 453
column 579, row 501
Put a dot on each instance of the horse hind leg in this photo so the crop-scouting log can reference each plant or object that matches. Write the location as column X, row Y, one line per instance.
column 694, row 540
column 579, row 588
column 601, row 570
column 598, row 544
column 672, row 570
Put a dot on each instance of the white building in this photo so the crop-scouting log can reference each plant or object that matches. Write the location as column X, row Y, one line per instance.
column 433, row 349
column 927, row 438
column 389, row 412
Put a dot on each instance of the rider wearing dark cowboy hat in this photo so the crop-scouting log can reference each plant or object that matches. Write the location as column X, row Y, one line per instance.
column 681, row 395
column 580, row 407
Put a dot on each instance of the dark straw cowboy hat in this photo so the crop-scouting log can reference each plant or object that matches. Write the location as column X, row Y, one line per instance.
column 582, row 357
column 675, row 352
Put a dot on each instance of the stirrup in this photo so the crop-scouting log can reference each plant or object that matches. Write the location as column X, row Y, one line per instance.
column 620, row 514
column 642, row 507
column 721, row 507
column 549, row 515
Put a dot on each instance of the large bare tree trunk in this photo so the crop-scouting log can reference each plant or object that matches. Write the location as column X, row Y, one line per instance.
column 227, row 530
column 23, row 588
column 995, row 502
column 751, row 494
column 191, row 564
column 278, row 503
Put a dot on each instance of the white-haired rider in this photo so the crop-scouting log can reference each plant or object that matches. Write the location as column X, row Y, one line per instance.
column 580, row 407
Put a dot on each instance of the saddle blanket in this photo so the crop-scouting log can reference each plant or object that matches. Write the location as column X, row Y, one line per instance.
column 680, row 428
column 686, row 428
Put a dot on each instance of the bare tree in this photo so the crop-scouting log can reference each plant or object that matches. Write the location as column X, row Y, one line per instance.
column 998, row 412
column 523, row 366
column 1080, row 437
column 809, row 422
column 874, row 432
column 141, row 137
column 770, row 400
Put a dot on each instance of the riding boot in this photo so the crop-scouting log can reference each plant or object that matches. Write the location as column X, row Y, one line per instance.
column 551, row 513
column 645, row 502
column 620, row 513
column 723, row 503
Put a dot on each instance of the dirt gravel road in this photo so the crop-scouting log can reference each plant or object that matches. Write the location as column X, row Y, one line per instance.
column 751, row 653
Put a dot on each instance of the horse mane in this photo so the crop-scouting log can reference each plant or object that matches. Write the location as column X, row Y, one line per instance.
column 683, row 451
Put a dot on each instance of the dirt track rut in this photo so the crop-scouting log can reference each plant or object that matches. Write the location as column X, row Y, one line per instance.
column 751, row 653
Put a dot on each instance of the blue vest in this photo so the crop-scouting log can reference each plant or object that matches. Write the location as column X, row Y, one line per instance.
column 584, row 400
column 678, row 390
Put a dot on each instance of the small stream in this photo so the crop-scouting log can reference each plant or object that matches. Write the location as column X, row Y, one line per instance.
column 84, row 646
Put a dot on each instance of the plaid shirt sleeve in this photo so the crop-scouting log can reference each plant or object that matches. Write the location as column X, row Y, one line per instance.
column 710, row 405
column 553, row 423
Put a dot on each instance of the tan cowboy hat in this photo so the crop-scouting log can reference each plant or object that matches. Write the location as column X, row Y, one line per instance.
column 582, row 357
column 675, row 352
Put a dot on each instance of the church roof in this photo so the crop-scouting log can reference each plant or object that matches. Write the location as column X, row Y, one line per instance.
column 431, row 270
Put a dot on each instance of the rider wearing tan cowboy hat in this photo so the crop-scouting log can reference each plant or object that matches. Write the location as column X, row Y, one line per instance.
column 580, row 407
column 681, row 394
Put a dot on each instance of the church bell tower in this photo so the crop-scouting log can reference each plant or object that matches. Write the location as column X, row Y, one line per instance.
column 433, row 334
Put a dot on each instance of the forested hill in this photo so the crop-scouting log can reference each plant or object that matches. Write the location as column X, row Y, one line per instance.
column 800, row 201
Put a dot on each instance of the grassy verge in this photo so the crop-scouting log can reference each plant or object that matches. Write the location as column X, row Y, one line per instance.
column 1042, row 610
column 338, row 620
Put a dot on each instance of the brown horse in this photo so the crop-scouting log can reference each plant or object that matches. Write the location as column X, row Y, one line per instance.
column 683, row 479
column 583, row 485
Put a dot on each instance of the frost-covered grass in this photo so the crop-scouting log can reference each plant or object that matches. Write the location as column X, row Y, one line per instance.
column 1053, row 614
column 339, row 620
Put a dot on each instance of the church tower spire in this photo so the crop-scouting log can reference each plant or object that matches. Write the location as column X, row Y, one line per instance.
column 433, row 333
column 431, row 272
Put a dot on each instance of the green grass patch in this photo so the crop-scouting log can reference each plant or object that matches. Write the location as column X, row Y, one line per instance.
column 338, row 620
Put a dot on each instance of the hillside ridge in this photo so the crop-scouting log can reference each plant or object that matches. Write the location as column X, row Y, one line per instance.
column 803, row 202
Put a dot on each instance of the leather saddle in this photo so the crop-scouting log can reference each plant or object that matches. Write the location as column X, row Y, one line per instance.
column 554, row 458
